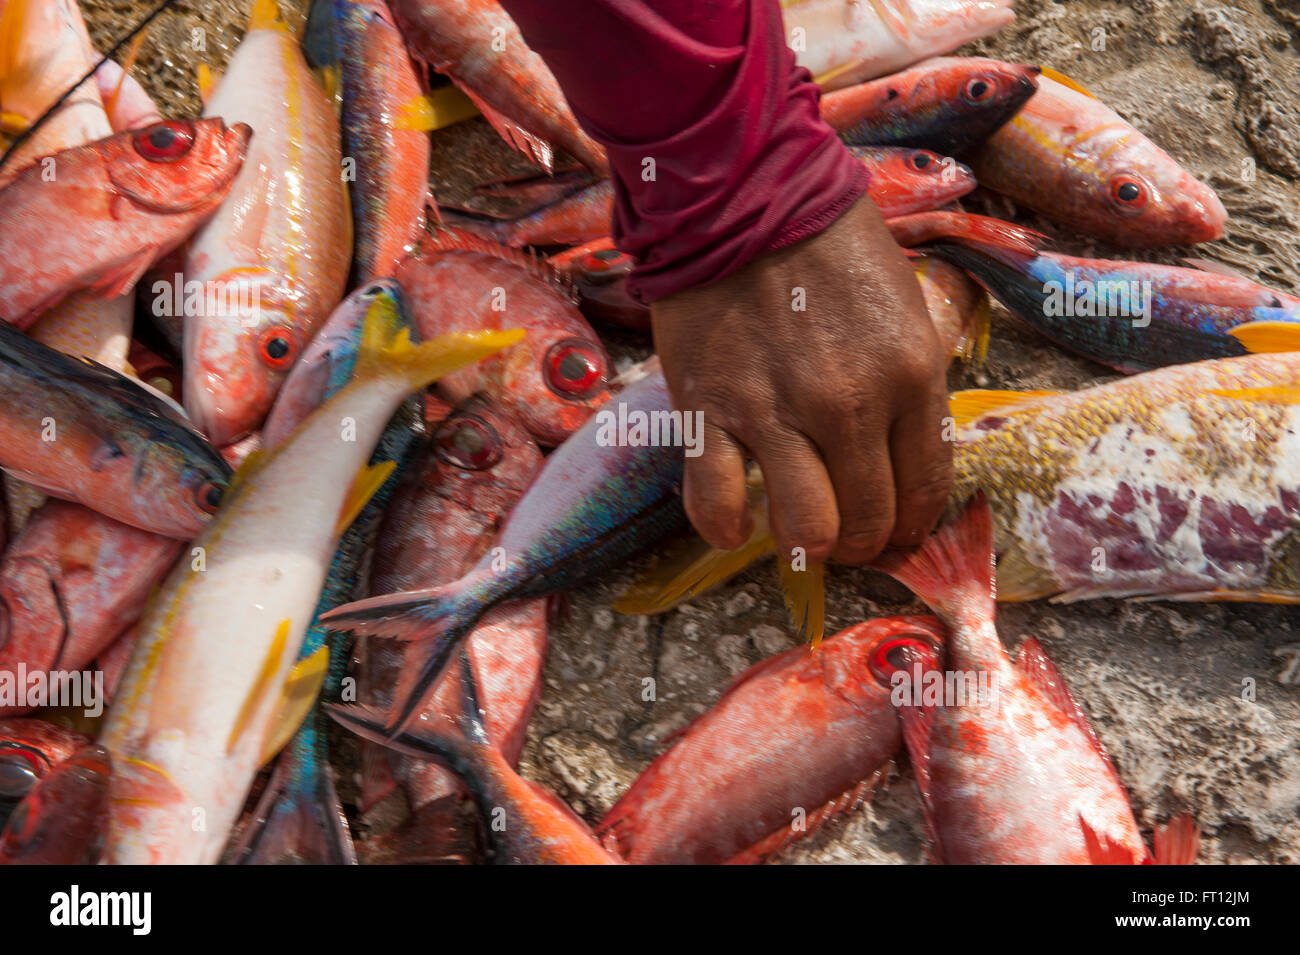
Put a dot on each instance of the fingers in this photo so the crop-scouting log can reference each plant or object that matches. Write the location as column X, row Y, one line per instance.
column 923, row 469
column 713, row 490
column 801, row 500
column 858, row 464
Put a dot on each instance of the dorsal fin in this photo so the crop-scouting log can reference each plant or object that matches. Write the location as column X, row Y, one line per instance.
column 449, row 239
column 966, row 406
column 1064, row 80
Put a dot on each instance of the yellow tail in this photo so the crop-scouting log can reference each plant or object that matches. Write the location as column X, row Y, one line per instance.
column 387, row 350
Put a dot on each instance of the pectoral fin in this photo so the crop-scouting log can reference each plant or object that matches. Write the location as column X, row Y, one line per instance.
column 301, row 690
column 261, row 687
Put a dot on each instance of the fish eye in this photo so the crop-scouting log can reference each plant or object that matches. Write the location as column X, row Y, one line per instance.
column 208, row 496
column 891, row 656
column 373, row 292
column 165, row 142
column 1129, row 193
column 978, row 90
column 470, row 444
column 277, row 347
column 921, row 161
column 574, row 368
column 20, row 768
column 603, row 261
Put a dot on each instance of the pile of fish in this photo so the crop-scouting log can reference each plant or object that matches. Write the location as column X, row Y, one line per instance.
column 259, row 392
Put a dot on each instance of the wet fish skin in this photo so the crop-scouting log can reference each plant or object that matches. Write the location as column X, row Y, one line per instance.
column 479, row 47
column 72, row 581
column 1173, row 483
column 112, row 209
column 115, row 447
column 947, row 104
column 275, row 257
column 443, row 518
column 537, row 829
column 594, row 503
column 63, row 819
column 1131, row 316
column 391, row 186
column 578, row 217
column 846, row 42
column 1076, row 161
column 29, row 750
column 958, row 307
column 905, row 181
column 798, row 730
column 1016, row 776
column 554, row 379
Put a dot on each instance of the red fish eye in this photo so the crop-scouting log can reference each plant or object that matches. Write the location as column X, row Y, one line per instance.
column 23, row 828
column 469, row 444
column 165, row 142
column 208, row 496
column 277, row 347
column 574, row 368
column 978, row 90
column 1129, row 193
column 922, row 161
column 888, row 657
column 20, row 767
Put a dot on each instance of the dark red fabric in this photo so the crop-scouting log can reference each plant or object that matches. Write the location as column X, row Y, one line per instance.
column 709, row 91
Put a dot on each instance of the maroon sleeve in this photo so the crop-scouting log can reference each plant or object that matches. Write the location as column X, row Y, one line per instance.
column 714, row 137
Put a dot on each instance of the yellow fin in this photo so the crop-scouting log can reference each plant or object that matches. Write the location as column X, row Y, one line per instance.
column 369, row 480
column 265, row 15
column 301, row 689
column 443, row 107
column 689, row 570
column 1064, row 80
column 1020, row 580
column 982, row 327
column 207, row 81
column 13, row 15
column 13, row 124
column 128, row 61
column 250, row 466
column 137, row 783
column 261, row 686
column 805, row 598
column 386, row 348
column 331, row 81
column 1273, row 394
column 1260, row 337
column 966, row 406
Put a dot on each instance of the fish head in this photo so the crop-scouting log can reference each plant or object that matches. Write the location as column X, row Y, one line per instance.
column 555, row 377
column 177, row 479
column 235, row 364
column 482, row 459
column 327, row 362
column 887, row 645
column 1159, row 203
column 979, row 85
column 904, row 181
column 64, row 819
column 176, row 166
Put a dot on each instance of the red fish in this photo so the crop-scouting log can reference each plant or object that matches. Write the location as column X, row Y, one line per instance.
column 478, row 46
column 62, row 821
column 70, row 583
column 29, row 750
column 551, row 381
column 599, row 273
column 904, row 181
column 442, row 519
column 97, row 216
column 796, row 740
column 525, row 824
column 1015, row 776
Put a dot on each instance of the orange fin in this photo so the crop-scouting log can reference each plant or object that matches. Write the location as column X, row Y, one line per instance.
column 1261, row 337
column 261, row 686
column 1177, row 841
column 301, row 688
column 1101, row 851
column 534, row 147
column 1274, row 395
column 451, row 239
column 805, row 598
column 1064, row 80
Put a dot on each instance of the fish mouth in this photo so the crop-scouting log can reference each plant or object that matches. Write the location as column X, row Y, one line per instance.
column 223, row 414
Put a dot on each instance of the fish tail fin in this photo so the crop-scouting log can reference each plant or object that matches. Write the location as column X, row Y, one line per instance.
column 953, row 570
column 434, row 621
column 387, row 349
column 449, row 740
column 297, row 819
column 1105, row 851
column 1012, row 245
column 805, row 598
column 1177, row 841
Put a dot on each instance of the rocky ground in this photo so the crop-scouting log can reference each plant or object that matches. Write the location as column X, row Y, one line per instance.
column 1166, row 684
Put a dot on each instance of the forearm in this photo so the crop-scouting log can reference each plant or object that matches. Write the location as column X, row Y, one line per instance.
column 717, row 148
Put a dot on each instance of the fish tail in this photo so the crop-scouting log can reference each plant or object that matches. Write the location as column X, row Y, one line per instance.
column 298, row 818
column 450, row 740
column 1177, row 841
column 434, row 621
column 387, row 350
column 953, row 570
